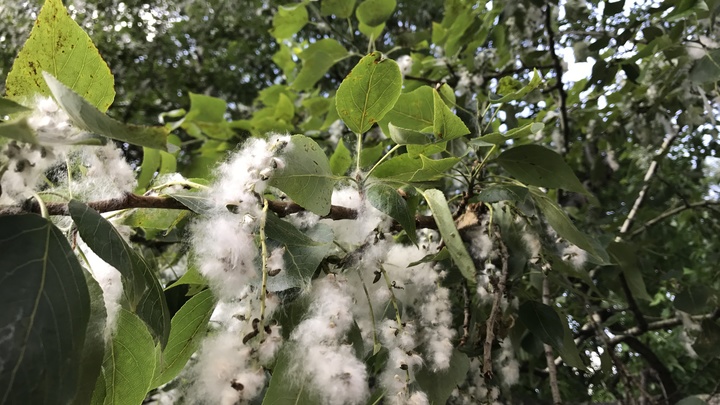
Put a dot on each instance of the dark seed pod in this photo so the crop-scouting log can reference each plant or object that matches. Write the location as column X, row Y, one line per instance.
column 236, row 385
column 273, row 272
column 377, row 276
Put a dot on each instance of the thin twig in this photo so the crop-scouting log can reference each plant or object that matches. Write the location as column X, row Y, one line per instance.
column 549, row 356
column 671, row 212
column 466, row 315
column 498, row 292
column 558, row 79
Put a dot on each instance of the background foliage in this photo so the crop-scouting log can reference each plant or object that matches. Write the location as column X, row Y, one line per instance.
column 489, row 122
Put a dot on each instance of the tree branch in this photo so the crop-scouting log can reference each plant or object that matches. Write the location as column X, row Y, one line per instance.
column 498, row 292
column 549, row 357
column 558, row 79
column 669, row 213
column 281, row 208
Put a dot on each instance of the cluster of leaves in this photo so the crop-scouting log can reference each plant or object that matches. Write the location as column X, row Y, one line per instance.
column 481, row 115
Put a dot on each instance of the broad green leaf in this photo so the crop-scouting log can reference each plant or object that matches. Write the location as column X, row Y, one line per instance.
column 45, row 312
column 289, row 20
column 59, row 46
column 695, row 300
column 8, row 107
column 624, row 255
column 499, row 193
column 450, row 235
column 155, row 218
column 368, row 92
column 199, row 203
column 405, row 136
column 94, row 348
column 372, row 33
column 446, row 125
column 284, row 109
column 150, row 164
column 413, row 169
column 543, row 322
column 414, row 110
column 498, row 138
column 18, row 130
column 306, row 176
column 341, row 160
column 693, row 400
column 338, row 8
column 388, row 200
column 285, row 232
column 706, row 344
column 141, row 287
column 283, row 58
column 187, row 329
column 87, row 117
column 130, row 362
column 561, row 223
column 707, row 68
column 206, row 109
column 375, row 12
column 191, row 277
column 370, row 155
column 302, row 255
column 285, row 386
column 519, row 94
column 539, row 166
column 438, row 385
column 317, row 59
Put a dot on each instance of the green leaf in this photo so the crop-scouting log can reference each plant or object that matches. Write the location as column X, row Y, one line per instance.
column 285, row 387
column 8, row 107
column 417, row 169
column 341, row 160
column 499, row 193
column 338, row 8
column 372, row 33
column 191, row 277
column 306, row 176
column 303, row 252
column 375, row 12
column 94, row 348
column 85, row 116
column 388, row 200
column 539, row 166
column 405, row 136
column 289, row 20
column 58, row 45
column 693, row 400
column 199, row 203
column 519, row 94
column 155, row 218
column 624, row 255
column 18, row 130
column 206, row 109
column 446, row 125
column 443, row 254
column 150, row 164
column 569, row 351
column 368, row 92
column 450, row 235
column 187, row 329
column 414, row 110
column 695, row 300
column 317, row 59
column 498, row 138
column 130, row 362
column 140, row 286
column 707, row 68
column 543, row 322
column 560, row 222
column 45, row 312
column 438, row 385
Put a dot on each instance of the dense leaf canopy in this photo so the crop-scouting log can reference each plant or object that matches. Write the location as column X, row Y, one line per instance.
column 475, row 201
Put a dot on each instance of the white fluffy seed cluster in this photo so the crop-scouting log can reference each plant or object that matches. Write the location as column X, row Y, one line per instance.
column 322, row 358
column 224, row 239
column 231, row 363
column 475, row 390
column 100, row 172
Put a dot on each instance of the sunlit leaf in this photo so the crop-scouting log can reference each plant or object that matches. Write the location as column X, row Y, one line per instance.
column 446, row 125
column 450, row 235
column 368, row 92
column 499, row 138
column 413, row 169
column 306, row 176
column 289, row 20
column 341, row 160
column 59, row 46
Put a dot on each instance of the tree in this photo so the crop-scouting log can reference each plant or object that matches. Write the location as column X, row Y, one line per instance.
column 416, row 204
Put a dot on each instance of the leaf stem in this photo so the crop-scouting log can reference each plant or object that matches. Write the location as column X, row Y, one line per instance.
column 43, row 208
column 376, row 344
column 390, row 152
column 392, row 297
column 264, row 256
